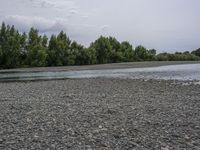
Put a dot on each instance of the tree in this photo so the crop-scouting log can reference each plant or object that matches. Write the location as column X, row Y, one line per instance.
column 186, row 52
column 127, row 50
column 91, row 56
column 162, row 57
column 13, row 56
column 37, row 56
column 3, row 44
column 52, row 52
column 152, row 51
column 176, row 57
column 10, row 46
column 196, row 52
column 59, row 50
column 86, row 56
column 141, row 53
column 103, row 48
column 44, row 41
column 1, row 57
column 151, row 54
column 114, row 43
column 19, row 49
column 23, row 49
column 75, row 55
column 36, row 53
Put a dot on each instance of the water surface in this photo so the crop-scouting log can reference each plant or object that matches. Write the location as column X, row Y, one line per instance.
column 172, row 72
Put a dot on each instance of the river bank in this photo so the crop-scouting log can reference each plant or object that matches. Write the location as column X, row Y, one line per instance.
column 101, row 113
column 102, row 66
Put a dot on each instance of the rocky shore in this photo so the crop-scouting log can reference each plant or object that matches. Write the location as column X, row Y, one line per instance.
column 100, row 113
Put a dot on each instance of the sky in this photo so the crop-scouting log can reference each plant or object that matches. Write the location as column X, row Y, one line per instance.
column 165, row 25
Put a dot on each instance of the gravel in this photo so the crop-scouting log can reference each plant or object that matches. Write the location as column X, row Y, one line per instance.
column 101, row 113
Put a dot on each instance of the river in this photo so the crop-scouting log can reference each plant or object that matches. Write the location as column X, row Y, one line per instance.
column 183, row 72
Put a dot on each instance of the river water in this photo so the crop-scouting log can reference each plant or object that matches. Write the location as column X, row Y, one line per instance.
column 184, row 72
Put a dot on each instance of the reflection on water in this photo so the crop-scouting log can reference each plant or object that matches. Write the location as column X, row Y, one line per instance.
column 178, row 72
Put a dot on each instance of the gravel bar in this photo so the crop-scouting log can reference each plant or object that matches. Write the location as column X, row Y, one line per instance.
column 100, row 113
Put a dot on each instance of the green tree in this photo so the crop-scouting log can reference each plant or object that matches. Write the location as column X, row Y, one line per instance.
column 17, row 49
column 114, row 43
column 75, row 54
column 1, row 56
column 141, row 53
column 10, row 46
column 36, row 53
column 186, row 52
column 176, row 57
column 45, row 41
column 162, row 57
column 13, row 48
column 59, row 50
column 53, row 53
column 3, row 45
column 196, row 52
column 151, row 55
column 23, row 48
column 86, row 56
column 103, row 48
column 37, row 56
column 128, row 52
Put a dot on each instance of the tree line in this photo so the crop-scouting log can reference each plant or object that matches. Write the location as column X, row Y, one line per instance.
column 35, row 50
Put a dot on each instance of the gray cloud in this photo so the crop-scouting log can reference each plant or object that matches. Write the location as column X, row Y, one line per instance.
column 165, row 25
column 105, row 27
column 24, row 23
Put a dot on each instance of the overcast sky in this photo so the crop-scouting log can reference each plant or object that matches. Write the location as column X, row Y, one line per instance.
column 166, row 25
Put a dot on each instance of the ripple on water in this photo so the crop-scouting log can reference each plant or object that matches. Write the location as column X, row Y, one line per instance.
column 186, row 72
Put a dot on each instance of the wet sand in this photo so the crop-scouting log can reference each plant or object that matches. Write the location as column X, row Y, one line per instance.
column 101, row 113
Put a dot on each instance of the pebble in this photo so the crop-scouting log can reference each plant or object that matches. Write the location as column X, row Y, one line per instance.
column 83, row 118
column 36, row 136
column 164, row 148
column 1, row 141
column 28, row 120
